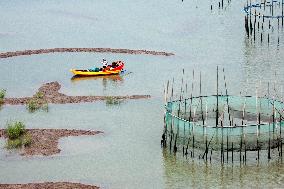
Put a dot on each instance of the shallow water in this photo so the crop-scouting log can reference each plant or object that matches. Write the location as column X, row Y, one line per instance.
column 128, row 154
column 122, row 156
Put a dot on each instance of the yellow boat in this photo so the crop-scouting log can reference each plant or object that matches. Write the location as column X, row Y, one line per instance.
column 106, row 71
column 92, row 73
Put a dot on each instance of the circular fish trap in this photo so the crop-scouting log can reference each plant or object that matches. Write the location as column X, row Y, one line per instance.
column 227, row 124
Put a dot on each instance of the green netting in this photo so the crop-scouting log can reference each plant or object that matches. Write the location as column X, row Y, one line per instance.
column 243, row 122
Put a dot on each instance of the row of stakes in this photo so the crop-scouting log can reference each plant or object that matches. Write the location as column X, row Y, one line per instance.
column 221, row 4
column 255, row 21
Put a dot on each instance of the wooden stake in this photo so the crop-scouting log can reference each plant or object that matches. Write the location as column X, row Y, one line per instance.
column 217, row 96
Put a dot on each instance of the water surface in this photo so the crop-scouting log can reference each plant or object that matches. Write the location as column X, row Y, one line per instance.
column 128, row 154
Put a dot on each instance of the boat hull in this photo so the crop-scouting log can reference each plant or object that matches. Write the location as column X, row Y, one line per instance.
column 90, row 73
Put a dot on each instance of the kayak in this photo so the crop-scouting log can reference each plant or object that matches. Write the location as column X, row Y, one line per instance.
column 115, row 77
column 93, row 73
column 110, row 70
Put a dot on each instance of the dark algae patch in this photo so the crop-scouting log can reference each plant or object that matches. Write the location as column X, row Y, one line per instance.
column 48, row 185
column 49, row 93
column 91, row 50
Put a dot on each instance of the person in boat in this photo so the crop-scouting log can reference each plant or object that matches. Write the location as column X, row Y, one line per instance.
column 104, row 63
column 114, row 64
column 119, row 63
column 108, row 67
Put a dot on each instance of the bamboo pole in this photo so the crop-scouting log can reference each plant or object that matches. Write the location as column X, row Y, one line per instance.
column 230, row 122
column 192, row 88
column 217, row 108
column 201, row 107
column 232, row 152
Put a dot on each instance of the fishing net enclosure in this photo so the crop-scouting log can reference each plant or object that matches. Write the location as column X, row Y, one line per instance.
column 225, row 125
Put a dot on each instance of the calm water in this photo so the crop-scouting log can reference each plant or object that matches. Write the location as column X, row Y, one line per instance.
column 128, row 154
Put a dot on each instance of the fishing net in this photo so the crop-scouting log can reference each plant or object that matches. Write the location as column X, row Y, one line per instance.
column 236, row 124
column 267, row 9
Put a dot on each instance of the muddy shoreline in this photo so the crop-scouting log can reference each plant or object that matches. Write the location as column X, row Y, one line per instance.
column 45, row 141
column 91, row 50
column 48, row 185
column 52, row 95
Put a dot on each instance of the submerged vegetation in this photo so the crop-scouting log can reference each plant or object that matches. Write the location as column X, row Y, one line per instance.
column 39, row 95
column 113, row 101
column 2, row 95
column 37, row 102
column 17, row 135
column 12, row 144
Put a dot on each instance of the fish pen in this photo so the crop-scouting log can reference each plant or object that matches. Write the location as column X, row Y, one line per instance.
column 224, row 128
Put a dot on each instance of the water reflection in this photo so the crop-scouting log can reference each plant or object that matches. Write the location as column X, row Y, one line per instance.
column 188, row 173
column 106, row 80
column 113, row 78
column 259, row 66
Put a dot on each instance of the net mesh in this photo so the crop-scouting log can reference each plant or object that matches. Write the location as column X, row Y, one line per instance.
column 242, row 123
